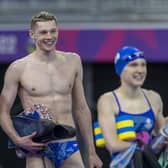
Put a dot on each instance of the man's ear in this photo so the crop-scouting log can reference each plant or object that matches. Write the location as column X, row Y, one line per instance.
column 31, row 34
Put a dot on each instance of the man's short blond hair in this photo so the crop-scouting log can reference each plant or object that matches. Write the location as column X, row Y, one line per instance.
column 42, row 17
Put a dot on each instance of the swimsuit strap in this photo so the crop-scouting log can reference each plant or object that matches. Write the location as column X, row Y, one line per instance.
column 147, row 99
column 117, row 100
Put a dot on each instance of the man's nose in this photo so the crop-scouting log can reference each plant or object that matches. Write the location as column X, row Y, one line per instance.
column 48, row 35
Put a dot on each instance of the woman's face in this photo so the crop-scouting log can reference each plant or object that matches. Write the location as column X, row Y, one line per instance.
column 134, row 73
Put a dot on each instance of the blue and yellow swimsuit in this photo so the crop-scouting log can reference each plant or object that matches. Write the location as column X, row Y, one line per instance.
column 144, row 121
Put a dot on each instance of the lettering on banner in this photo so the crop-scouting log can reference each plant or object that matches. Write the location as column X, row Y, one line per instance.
column 8, row 44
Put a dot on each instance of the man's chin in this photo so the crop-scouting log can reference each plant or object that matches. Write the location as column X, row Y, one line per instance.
column 48, row 50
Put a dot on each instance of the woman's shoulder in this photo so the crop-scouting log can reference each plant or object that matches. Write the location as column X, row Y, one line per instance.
column 154, row 98
column 152, row 94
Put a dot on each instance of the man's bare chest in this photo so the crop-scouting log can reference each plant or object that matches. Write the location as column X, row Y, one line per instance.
column 45, row 81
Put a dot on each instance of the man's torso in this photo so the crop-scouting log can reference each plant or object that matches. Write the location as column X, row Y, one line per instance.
column 49, row 84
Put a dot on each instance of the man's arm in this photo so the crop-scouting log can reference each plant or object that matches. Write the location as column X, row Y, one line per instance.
column 82, row 116
column 8, row 95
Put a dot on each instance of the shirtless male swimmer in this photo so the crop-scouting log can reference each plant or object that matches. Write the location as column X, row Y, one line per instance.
column 53, row 79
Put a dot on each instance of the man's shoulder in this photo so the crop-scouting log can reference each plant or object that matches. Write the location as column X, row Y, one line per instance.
column 68, row 55
column 19, row 64
column 70, row 58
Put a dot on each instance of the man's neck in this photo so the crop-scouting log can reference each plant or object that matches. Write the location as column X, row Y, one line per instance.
column 45, row 56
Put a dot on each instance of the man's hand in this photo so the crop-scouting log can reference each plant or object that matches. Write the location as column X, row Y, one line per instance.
column 94, row 161
column 27, row 143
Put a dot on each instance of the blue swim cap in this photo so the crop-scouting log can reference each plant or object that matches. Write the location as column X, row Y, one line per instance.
column 124, row 56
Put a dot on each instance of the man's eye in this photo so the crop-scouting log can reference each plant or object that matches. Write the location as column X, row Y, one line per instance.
column 53, row 31
column 43, row 32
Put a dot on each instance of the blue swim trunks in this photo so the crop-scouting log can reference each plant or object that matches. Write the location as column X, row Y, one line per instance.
column 57, row 152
